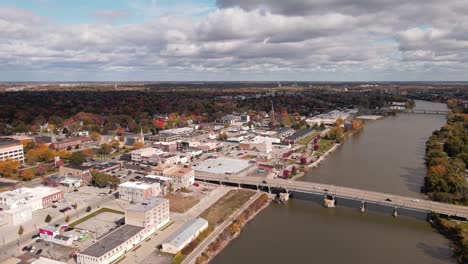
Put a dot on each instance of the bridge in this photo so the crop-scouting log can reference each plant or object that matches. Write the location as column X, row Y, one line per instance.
column 391, row 200
column 426, row 112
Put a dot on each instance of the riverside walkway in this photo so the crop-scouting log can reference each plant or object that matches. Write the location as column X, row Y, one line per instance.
column 396, row 201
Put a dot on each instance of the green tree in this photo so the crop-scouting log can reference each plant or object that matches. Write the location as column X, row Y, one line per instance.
column 76, row 158
column 101, row 179
column 453, row 147
column 20, row 230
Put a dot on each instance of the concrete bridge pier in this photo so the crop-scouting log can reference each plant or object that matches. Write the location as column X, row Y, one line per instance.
column 363, row 207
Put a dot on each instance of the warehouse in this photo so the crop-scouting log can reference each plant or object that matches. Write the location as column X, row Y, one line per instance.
column 186, row 234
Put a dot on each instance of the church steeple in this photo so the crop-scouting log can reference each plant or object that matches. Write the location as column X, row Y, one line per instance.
column 142, row 137
column 272, row 113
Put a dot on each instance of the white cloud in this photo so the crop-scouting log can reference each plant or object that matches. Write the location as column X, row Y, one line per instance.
column 245, row 39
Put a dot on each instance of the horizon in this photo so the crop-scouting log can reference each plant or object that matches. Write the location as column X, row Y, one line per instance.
column 233, row 41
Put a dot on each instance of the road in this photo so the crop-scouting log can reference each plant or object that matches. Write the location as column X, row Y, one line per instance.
column 397, row 201
column 192, row 257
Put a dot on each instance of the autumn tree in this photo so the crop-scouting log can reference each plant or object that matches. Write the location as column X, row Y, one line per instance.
column 48, row 219
column 20, row 230
column 95, row 136
column 138, row 145
column 27, row 175
column 8, row 168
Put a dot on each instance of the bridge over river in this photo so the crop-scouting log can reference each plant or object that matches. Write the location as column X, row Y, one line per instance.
column 396, row 201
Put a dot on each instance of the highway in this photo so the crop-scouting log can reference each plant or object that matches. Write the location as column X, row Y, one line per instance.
column 397, row 201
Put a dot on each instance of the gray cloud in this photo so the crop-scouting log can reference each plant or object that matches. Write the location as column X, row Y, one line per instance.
column 257, row 39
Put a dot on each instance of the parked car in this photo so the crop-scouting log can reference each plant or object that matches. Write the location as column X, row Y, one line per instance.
column 39, row 240
column 39, row 252
column 69, row 229
column 196, row 184
column 35, row 236
column 25, row 248
column 32, row 250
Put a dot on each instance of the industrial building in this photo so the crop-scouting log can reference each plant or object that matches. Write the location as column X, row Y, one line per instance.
column 141, row 221
column 223, row 166
column 18, row 205
column 186, row 234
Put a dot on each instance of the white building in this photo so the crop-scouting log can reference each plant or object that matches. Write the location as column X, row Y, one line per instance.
column 259, row 143
column 11, row 150
column 143, row 154
column 138, row 191
column 141, row 221
column 182, row 237
column 152, row 214
column 328, row 119
column 177, row 131
column 19, row 204
column 181, row 177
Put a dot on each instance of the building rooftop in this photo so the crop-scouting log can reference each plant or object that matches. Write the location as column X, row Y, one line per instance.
column 144, row 150
column 179, row 171
column 136, row 185
column 147, row 204
column 186, row 232
column 104, row 166
column 7, row 142
column 111, row 241
column 222, row 165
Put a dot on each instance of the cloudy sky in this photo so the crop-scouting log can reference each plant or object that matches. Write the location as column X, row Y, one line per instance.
column 184, row 40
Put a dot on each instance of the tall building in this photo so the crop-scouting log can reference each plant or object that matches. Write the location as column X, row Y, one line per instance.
column 272, row 114
column 11, row 150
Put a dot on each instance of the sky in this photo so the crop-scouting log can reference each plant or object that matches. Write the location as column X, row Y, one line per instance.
column 234, row 40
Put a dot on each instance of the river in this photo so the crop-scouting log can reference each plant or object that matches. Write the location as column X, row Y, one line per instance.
column 387, row 155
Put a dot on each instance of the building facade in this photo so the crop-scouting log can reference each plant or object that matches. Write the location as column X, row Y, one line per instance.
column 11, row 150
column 138, row 191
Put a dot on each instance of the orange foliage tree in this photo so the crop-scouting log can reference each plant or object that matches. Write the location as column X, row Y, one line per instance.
column 8, row 168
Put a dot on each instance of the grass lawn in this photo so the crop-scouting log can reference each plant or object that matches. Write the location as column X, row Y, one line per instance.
column 181, row 203
column 224, row 207
column 307, row 139
column 324, row 146
column 91, row 215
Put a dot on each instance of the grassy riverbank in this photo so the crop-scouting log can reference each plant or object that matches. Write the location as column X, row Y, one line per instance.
column 457, row 232
column 215, row 215
column 233, row 230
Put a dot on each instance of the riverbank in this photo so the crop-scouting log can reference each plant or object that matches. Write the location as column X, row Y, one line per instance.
column 457, row 232
column 233, row 230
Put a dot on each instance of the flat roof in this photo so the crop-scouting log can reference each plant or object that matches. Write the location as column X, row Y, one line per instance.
column 111, row 241
column 147, row 204
column 136, row 185
column 179, row 237
column 179, row 171
column 222, row 165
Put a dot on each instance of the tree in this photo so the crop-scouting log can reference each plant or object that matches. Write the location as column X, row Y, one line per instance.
column 101, row 179
column 40, row 153
column 40, row 170
column 63, row 154
column 88, row 209
column 88, row 153
column 138, row 145
column 286, row 174
column 8, row 168
column 77, row 158
column 303, row 160
column 316, row 147
column 27, row 175
column 105, row 149
column 294, row 170
column 48, row 219
column 20, row 230
column 95, row 136
column 67, row 219
column 453, row 147
column 223, row 136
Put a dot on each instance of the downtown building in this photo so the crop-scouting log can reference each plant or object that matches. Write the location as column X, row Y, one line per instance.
column 141, row 220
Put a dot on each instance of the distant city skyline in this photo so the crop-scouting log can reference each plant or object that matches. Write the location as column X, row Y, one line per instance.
column 233, row 40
